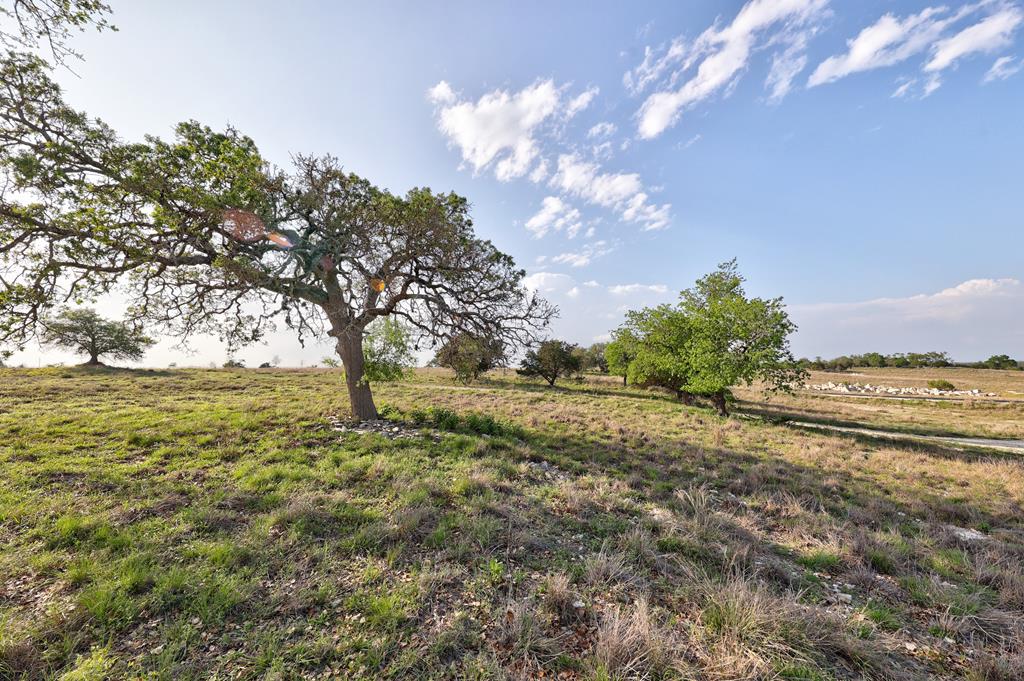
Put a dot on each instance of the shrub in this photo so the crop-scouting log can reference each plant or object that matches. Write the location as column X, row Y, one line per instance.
column 941, row 384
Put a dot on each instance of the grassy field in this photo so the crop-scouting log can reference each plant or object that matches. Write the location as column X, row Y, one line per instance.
column 1001, row 417
column 215, row 524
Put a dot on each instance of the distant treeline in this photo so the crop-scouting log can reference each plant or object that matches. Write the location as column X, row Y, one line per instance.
column 907, row 360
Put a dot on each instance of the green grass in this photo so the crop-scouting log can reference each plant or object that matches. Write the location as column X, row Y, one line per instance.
column 212, row 524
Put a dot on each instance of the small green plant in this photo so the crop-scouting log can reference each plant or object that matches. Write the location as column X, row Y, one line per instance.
column 444, row 418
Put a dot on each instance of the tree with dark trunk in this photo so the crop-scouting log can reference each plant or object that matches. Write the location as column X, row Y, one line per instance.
column 550, row 361
column 657, row 343
column 86, row 333
column 199, row 234
column 469, row 357
column 714, row 338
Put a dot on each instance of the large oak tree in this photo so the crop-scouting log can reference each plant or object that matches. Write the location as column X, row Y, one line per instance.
column 200, row 234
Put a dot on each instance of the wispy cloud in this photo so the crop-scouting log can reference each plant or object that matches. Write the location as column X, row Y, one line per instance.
column 722, row 53
column 584, row 256
column 888, row 41
column 633, row 289
column 1002, row 68
column 622, row 192
column 513, row 133
column 554, row 215
column 988, row 35
column 892, row 40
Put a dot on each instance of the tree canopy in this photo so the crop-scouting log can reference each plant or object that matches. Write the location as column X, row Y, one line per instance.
column 715, row 337
column 86, row 333
column 551, row 360
column 49, row 23
column 201, row 234
column 470, row 356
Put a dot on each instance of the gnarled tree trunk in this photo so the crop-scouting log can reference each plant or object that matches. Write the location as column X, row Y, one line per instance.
column 718, row 400
column 685, row 397
column 350, row 349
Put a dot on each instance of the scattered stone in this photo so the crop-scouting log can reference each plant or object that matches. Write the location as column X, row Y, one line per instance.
column 890, row 390
column 392, row 430
column 966, row 534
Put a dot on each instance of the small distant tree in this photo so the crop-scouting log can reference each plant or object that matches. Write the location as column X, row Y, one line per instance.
column 736, row 339
column 387, row 348
column 621, row 352
column 470, row 356
column 84, row 332
column 330, row 362
column 592, row 358
column 1000, row 362
column 550, row 361
column 233, row 363
column 4, row 356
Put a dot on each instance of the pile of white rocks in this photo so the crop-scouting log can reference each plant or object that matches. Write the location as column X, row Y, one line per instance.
column 890, row 390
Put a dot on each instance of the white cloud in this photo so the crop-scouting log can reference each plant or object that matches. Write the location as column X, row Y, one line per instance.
column 441, row 93
column 499, row 128
column 574, row 292
column 693, row 140
column 601, row 130
column 786, row 66
column 584, row 256
column 724, row 53
column 971, row 320
column 653, row 67
column 539, row 172
column 888, row 41
column 892, row 40
column 591, row 284
column 990, row 34
column 581, row 102
column 622, row 192
column 904, row 88
column 1002, row 68
column 554, row 215
column 547, row 282
column 506, row 132
column 633, row 289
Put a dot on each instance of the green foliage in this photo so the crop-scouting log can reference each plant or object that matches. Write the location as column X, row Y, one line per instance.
column 233, row 363
column 592, row 358
column 1000, row 362
column 941, row 384
column 621, row 352
column 736, row 339
column 200, row 234
column 330, row 362
column 661, row 356
column 550, row 361
column 387, row 348
column 86, row 333
column 903, row 360
column 469, row 356
column 714, row 338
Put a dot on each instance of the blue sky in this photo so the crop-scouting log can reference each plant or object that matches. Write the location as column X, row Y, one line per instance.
column 863, row 160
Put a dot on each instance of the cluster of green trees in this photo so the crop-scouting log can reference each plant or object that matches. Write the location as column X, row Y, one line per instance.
column 908, row 360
